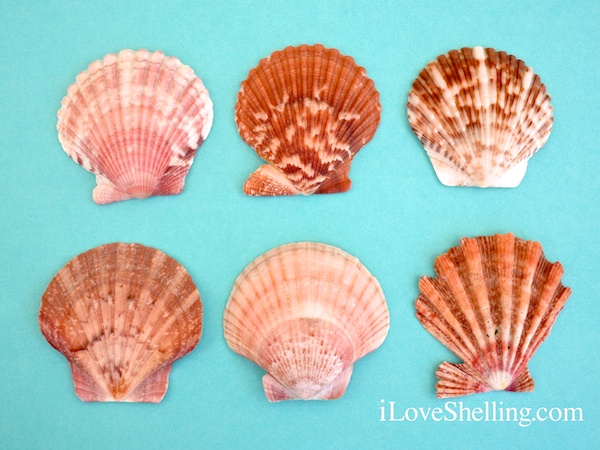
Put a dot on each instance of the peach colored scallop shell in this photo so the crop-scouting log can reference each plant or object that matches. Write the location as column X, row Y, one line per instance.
column 306, row 111
column 493, row 303
column 480, row 114
column 121, row 314
column 305, row 313
column 135, row 119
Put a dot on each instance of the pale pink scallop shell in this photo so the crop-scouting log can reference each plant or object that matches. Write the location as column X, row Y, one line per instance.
column 480, row 114
column 121, row 314
column 306, row 111
column 305, row 313
column 135, row 119
column 493, row 302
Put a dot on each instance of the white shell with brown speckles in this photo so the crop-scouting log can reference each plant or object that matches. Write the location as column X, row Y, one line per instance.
column 307, row 111
column 121, row 314
column 480, row 114
column 305, row 313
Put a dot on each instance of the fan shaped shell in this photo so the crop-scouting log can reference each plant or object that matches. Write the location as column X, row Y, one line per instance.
column 480, row 114
column 307, row 111
column 135, row 119
column 121, row 314
column 305, row 313
column 493, row 302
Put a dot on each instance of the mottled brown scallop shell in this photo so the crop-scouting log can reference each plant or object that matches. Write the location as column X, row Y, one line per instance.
column 493, row 302
column 480, row 114
column 307, row 111
column 121, row 314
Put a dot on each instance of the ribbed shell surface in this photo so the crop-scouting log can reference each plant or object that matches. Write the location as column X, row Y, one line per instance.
column 480, row 114
column 135, row 119
column 121, row 314
column 492, row 303
column 305, row 312
column 307, row 111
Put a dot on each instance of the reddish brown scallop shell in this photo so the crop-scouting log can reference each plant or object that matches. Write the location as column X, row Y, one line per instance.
column 493, row 302
column 307, row 111
column 121, row 314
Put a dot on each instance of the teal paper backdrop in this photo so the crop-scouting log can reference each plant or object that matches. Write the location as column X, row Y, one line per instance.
column 396, row 219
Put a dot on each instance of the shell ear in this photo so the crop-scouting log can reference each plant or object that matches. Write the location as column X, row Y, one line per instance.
column 172, row 181
column 337, row 387
column 275, row 391
column 153, row 388
column 267, row 180
column 106, row 192
column 523, row 383
column 85, row 387
column 337, row 181
column 458, row 379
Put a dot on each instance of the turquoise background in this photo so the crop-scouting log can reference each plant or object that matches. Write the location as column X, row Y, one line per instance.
column 396, row 219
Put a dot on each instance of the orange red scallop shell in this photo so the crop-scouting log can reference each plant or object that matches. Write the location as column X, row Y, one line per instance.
column 306, row 111
column 480, row 114
column 492, row 303
column 121, row 314
column 135, row 119
column 305, row 313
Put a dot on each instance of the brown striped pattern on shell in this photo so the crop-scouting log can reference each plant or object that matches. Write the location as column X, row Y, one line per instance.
column 493, row 302
column 121, row 314
column 305, row 313
column 135, row 119
column 307, row 111
column 480, row 114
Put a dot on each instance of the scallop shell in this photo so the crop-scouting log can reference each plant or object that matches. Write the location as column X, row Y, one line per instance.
column 121, row 314
column 307, row 111
column 135, row 119
column 305, row 313
column 480, row 114
column 492, row 304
